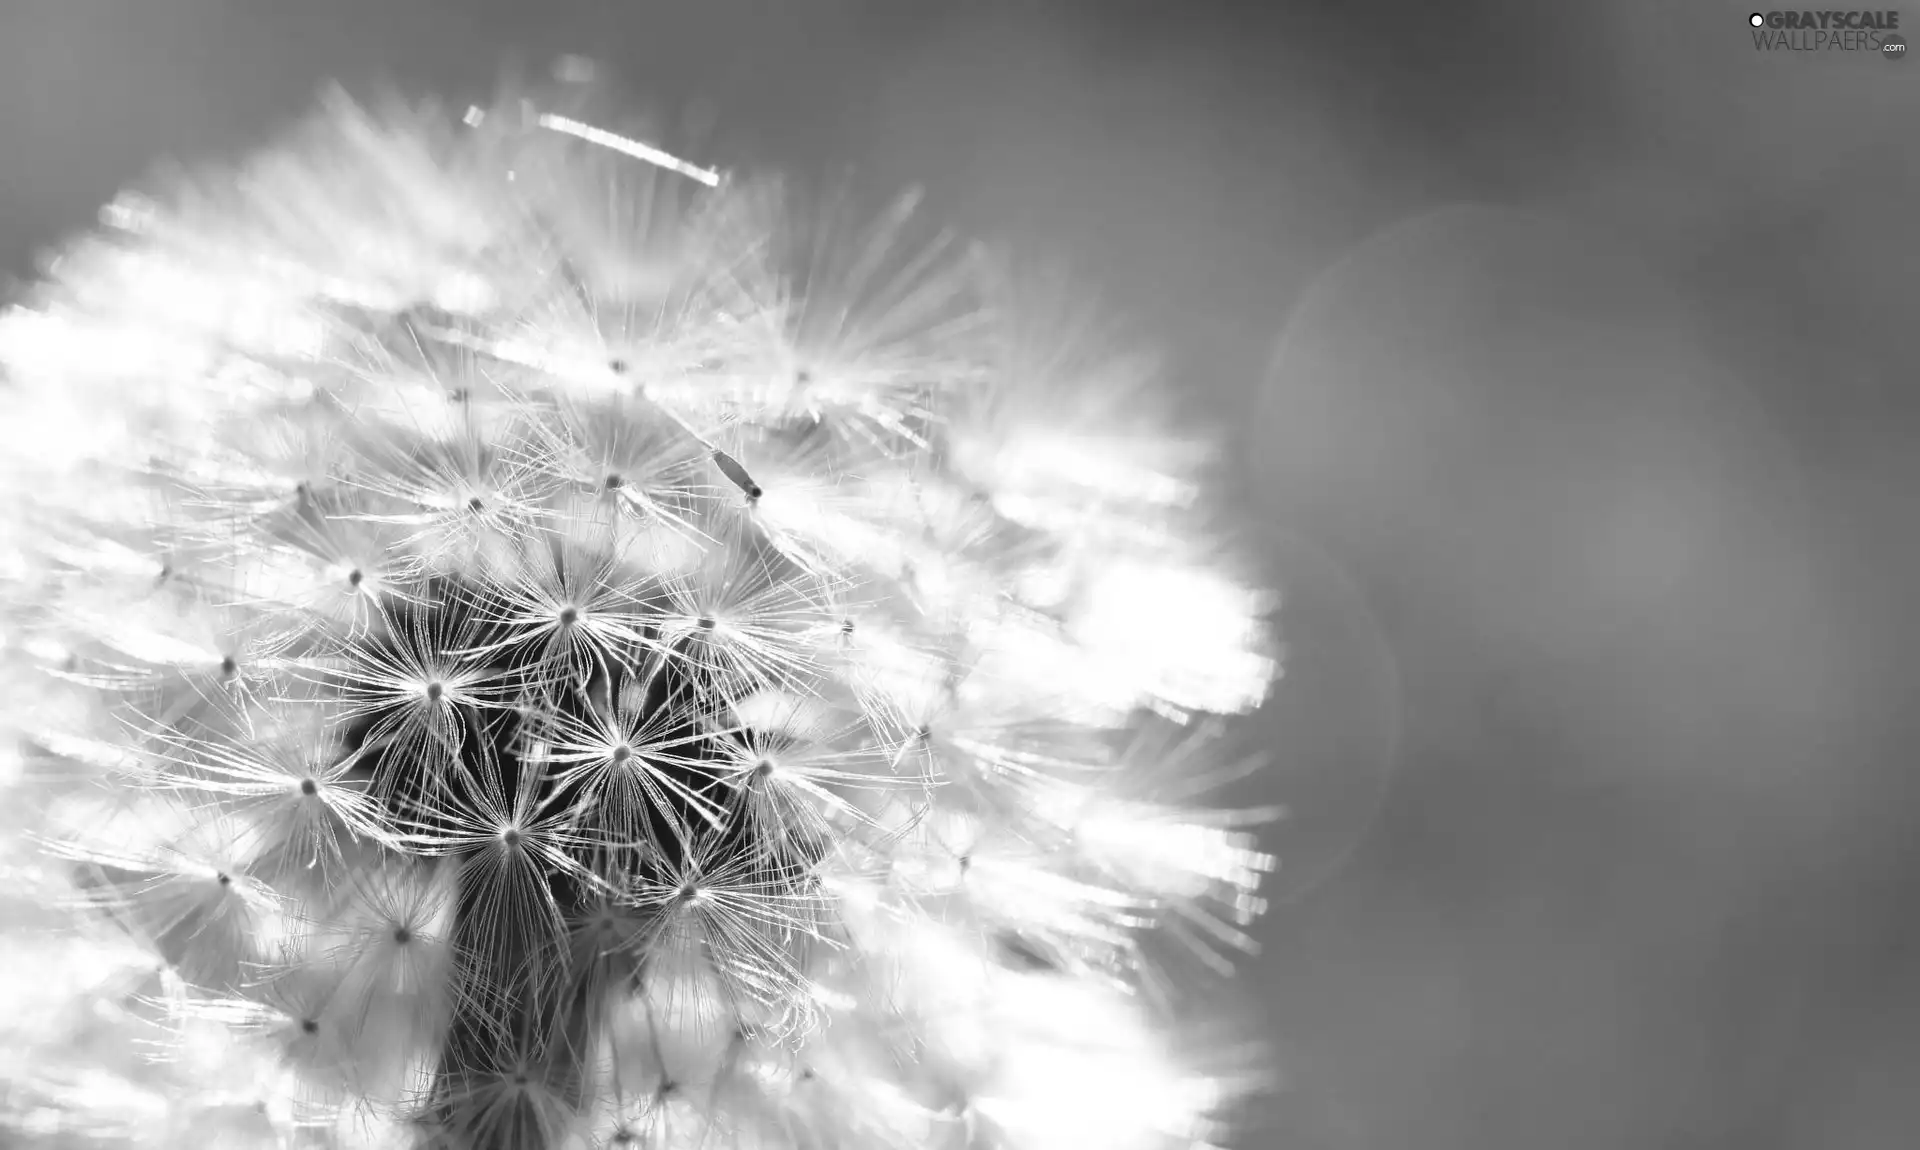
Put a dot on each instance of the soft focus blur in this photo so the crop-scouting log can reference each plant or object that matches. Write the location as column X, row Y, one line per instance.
column 1567, row 352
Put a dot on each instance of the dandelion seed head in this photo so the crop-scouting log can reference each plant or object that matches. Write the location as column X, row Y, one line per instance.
column 539, row 643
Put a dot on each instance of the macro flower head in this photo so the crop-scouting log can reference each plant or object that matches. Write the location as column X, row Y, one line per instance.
column 518, row 640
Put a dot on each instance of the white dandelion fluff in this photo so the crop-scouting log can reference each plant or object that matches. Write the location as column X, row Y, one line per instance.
column 518, row 640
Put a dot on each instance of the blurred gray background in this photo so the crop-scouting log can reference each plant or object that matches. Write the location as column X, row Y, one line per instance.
column 1568, row 353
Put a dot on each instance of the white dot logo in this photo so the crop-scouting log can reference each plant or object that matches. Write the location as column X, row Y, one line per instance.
column 1757, row 20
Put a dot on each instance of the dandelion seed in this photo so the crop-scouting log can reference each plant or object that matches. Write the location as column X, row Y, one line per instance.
column 413, row 691
column 294, row 787
column 509, row 848
column 175, row 657
column 190, row 895
column 328, row 564
column 741, row 622
column 390, row 938
column 639, row 771
column 464, row 501
column 567, row 613
column 796, row 787
column 752, row 924
column 627, row 460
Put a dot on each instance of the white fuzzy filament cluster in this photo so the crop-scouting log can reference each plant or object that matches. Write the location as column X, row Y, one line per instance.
column 511, row 646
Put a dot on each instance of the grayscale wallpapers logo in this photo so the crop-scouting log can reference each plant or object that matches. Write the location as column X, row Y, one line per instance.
column 1829, row 31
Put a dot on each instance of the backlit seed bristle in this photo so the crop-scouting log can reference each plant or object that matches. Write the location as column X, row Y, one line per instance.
column 522, row 641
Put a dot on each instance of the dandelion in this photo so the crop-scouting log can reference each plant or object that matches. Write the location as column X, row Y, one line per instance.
column 521, row 641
